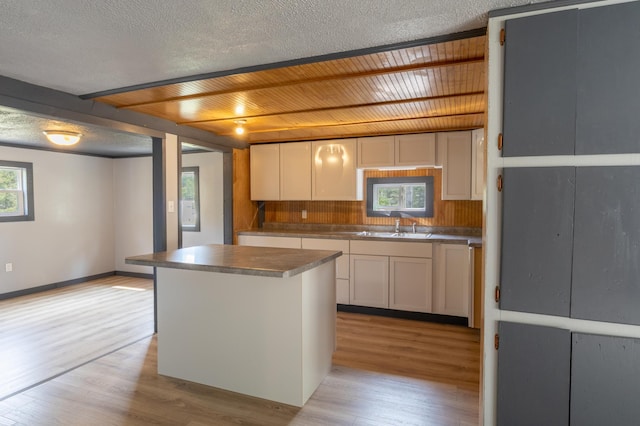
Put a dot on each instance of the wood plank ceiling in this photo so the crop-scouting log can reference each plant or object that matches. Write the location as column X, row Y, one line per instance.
column 435, row 87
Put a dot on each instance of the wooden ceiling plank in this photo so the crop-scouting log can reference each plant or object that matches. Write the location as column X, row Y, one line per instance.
column 353, row 75
column 342, row 107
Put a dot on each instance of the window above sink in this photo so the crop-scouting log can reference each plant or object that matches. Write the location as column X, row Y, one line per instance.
column 400, row 196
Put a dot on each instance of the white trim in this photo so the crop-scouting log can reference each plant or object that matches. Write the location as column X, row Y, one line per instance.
column 573, row 160
column 572, row 324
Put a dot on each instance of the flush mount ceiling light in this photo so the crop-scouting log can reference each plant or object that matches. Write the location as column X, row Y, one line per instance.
column 61, row 137
column 240, row 127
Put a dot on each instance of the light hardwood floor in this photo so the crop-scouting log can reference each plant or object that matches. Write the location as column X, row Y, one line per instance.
column 386, row 372
column 46, row 334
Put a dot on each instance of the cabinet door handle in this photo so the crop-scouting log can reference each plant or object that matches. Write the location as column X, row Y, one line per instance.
column 499, row 183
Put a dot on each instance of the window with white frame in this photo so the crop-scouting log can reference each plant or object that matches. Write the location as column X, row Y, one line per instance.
column 400, row 196
column 16, row 191
column 190, row 199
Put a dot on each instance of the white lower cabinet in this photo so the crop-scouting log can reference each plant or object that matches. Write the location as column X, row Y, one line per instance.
column 267, row 241
column 342, row 263
column 407, row 276
column 410, row 284
column 384, row 276
column 369, row 281
column 452, row 280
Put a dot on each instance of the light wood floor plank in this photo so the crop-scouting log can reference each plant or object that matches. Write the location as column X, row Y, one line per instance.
column 46, row 334
column 386, row 372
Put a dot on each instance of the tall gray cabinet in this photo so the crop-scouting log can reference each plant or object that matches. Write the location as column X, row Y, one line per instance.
column 564, row 252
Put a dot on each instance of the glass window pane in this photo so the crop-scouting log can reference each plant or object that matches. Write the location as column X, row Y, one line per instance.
column 387, row 196
column 10, row 178
column 9, row 203
column 407, row 196
column 188, row 186
column 189, row 202
column 16, row 191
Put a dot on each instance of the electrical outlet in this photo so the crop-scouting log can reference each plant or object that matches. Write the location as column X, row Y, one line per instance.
column 304, row 214
column 171, row 208
column 8, row 267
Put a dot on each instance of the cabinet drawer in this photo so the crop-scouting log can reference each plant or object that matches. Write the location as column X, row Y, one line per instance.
column 326, row 244
column 260, row 241
column 342, row 263
column 391, row 248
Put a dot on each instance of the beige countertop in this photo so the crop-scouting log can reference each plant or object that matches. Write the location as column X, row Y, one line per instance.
column 245, row 260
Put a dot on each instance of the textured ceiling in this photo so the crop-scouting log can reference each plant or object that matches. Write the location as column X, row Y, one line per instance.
column 82, row 47
column 17, row 128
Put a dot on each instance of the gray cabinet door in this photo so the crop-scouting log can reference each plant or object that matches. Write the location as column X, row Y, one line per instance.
column 606, row 253
column 540, row 85
column 608, row 98
column 605, row 380
column 537, row 239
column 533, row 375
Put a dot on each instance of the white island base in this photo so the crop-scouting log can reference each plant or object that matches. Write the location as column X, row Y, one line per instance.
column 268, row 337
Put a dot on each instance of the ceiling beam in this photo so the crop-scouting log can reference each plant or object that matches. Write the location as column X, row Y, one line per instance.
column 321, row 79
column 43, row 101
column 362, row 135
column 361, row 123
column 336, row 108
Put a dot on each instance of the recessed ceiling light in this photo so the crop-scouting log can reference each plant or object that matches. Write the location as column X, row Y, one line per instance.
column 240, row 127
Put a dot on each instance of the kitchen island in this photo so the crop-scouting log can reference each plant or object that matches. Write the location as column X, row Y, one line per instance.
column 258, row 321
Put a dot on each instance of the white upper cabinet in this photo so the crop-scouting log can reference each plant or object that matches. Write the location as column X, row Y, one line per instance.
column 265, row 171
column 376, row 152
column 477, row 164
column 454, row 154
column 281, row 171
column 334, row 173
column 295, row 171
column 416, row 150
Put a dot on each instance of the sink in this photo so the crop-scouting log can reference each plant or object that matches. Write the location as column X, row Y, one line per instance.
column 408, row 235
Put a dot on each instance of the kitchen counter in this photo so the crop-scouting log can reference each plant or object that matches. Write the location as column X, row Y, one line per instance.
column 253, row 320
column 386, row 235
column 275, row 262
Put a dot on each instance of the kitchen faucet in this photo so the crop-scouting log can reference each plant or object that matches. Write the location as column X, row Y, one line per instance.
column 397, row 226
column 413, row 227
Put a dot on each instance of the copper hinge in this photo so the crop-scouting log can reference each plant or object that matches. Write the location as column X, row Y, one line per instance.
column 497, row 294
column 496, row 341
column 503, row 37
column 499, row 183
column 500, row 142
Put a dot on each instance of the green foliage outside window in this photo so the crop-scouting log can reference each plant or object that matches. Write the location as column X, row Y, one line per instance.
column 388, row 196
column 9, row 181
column 400, row 196
column 188, row 186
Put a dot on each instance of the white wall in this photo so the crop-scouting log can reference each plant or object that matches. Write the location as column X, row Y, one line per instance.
column 133, row 211
column 211, row 199
column 72, row 235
